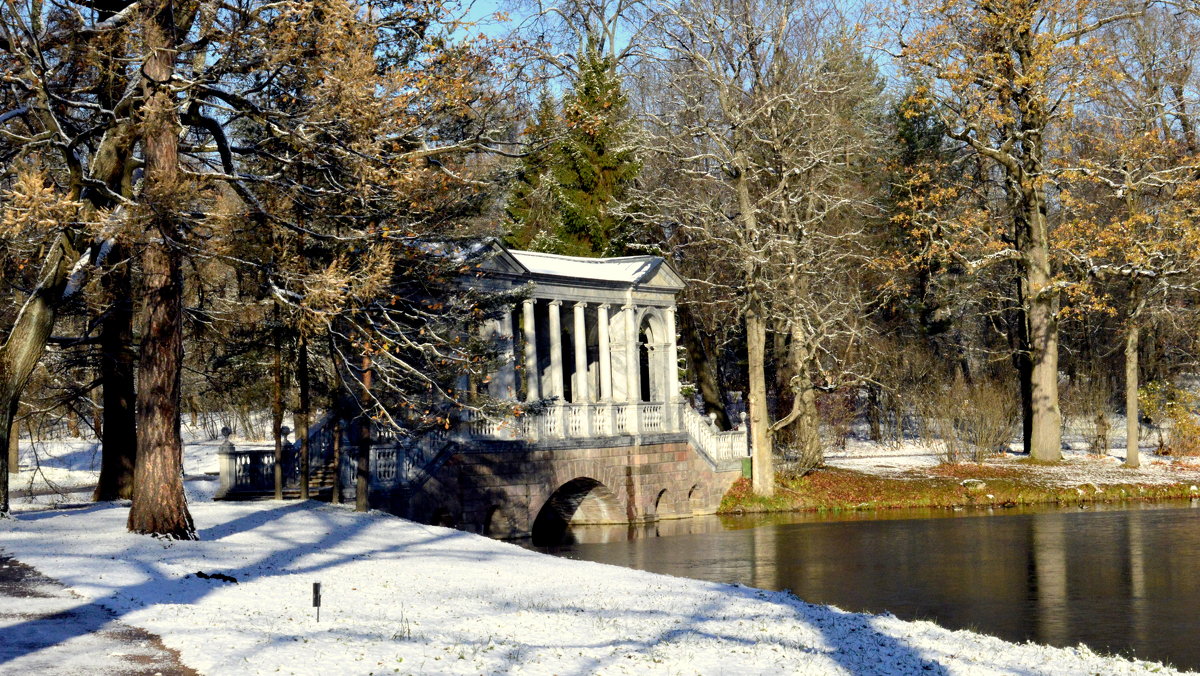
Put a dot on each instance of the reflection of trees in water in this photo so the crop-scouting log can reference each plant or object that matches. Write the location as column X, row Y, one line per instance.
column 1118, row 580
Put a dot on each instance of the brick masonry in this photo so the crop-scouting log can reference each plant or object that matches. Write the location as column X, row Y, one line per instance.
column 501, row 490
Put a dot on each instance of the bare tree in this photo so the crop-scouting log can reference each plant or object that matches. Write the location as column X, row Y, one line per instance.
column 770, row 111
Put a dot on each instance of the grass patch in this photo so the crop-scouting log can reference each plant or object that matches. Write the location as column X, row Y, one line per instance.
column 944, row 486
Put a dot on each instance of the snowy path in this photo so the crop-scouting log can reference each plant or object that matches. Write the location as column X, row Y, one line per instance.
column 42, row 624
column 405, row 598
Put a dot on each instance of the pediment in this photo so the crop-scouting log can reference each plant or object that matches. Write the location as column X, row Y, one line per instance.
column 664, row 278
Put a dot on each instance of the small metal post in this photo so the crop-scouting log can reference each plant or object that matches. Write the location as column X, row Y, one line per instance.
column 317, row 599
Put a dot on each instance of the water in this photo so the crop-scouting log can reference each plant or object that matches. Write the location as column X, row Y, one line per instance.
column 1121, row 580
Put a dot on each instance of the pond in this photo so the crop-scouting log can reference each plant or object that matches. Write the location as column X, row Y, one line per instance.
column 1119, row 579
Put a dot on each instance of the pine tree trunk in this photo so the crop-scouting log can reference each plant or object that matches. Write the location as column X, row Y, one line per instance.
column 159, row 504
column 763, row 469
column 119, row 433
column 302, row 418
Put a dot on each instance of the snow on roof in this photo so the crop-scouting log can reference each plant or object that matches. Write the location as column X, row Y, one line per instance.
column 627, row 269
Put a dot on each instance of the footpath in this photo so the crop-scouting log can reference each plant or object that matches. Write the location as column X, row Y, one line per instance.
column 40, row 621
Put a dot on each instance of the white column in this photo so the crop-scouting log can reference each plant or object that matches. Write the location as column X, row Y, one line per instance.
column 580, row 395
column 531, row 360
column 556, row 370
column 633, row 365
column 506, row 379
column 605, row 356
column 633, row 362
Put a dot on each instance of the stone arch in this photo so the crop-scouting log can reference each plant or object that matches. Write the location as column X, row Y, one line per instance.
column 582, row 500
column 662, row 500
column 695, row 498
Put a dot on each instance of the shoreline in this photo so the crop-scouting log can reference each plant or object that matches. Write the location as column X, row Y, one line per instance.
column 406, row 598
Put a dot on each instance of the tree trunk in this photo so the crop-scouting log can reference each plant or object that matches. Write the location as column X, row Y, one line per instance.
column 701, row 355
column 14, row 449
column 763, row 470
column 1046, row 425
column 26, row 343
column 1132, row 437
column 159, row 504
column 118, row 436
column 277, row 404
column 303, row 415
column 362, row 474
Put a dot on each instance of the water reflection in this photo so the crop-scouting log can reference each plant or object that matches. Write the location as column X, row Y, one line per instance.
column 1119, row 580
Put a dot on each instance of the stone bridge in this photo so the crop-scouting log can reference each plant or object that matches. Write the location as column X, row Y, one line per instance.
column 518, row 489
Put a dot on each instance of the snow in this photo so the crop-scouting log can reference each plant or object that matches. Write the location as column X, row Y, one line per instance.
column 401, row 597
column 627, row 269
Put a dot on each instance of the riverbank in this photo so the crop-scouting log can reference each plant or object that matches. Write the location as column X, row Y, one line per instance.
column 400, row 597
column 870, row 478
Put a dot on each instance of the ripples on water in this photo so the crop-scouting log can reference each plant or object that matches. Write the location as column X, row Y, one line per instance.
column 1117, row 579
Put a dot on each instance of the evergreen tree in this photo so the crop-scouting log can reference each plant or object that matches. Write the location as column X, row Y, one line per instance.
column 598, row 162
column 578, row 167
column 533, row 208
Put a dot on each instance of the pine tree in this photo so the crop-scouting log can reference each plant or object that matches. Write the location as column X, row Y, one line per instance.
column 533, row 208
column 598, row 162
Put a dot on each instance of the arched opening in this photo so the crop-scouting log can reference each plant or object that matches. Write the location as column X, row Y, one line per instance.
column 579, row 501
column 695, row 499
column 660, row 502
column 651, row 358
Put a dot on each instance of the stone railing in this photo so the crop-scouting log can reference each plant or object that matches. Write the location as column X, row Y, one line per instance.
column 406, row 461
column 721, row 448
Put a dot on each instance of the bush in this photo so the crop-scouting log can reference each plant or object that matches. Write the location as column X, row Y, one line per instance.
column 1171, row 410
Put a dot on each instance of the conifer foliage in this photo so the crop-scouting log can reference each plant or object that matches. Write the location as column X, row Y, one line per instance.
column 579, row 168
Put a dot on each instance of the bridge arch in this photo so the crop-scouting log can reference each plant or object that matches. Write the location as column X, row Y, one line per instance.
column 582, row 500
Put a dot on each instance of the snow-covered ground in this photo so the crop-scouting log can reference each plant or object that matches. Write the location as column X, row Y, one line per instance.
column 405, row 598
column 400, row 597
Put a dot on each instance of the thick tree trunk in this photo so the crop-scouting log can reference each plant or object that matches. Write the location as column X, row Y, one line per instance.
column 118, row 435
column 159, row 504
column 1024, row 366
column 303, row 416
column 26, row 342
column 763, row 471
column 1042, row 304
column 701, row 355
column 1132, row 440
